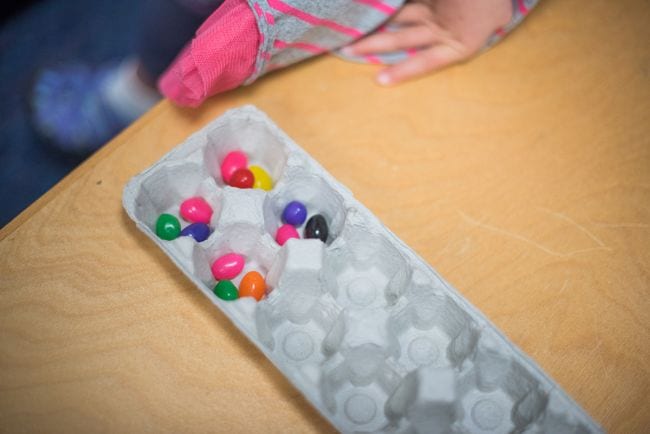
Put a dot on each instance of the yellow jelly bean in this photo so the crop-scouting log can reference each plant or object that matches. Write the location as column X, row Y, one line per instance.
column 262, row 178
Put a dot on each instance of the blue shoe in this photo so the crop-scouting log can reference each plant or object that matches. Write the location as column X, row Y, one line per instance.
column 69, row 108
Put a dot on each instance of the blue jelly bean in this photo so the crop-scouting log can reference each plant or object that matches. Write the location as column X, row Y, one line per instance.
column 294, row 213
column 198, row 231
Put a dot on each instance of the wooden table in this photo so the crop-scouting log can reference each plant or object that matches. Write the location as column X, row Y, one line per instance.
column 522, row 176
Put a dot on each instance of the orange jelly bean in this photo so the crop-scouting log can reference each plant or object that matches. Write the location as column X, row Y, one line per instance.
column 252, row 285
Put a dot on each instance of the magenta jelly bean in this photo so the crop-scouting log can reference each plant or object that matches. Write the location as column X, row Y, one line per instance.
column 234, row 161
column 228, row 266
column 284, row 233
column 196, row 210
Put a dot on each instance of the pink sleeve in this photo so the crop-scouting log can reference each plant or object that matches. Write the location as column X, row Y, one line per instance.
column 221, row 56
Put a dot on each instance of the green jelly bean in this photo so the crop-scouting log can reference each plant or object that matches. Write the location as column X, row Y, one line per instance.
column 226, row 290
column 168, row 227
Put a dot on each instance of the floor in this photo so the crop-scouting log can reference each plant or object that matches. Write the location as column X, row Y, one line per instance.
column 46, row 34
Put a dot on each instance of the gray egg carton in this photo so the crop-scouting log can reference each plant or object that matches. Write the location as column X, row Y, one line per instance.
column 371, row 335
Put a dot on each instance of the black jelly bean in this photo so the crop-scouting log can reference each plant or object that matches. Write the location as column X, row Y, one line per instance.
column 316, row 227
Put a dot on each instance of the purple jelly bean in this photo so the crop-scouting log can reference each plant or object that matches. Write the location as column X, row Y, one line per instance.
column 198, row 231
column 294, row 213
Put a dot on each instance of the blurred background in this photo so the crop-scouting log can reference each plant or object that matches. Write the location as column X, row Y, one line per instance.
column 40, row 34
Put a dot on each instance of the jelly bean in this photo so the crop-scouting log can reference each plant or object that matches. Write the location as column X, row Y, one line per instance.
column 242, row 178
column 252, row 285
column 226, row 290
column 198, row 231
column 294, row 213
column 284, row 233
column 262, row 178
column 227, row 266
column 196, row 210
column 168, row 227
column 234, row 160
column 316, row 227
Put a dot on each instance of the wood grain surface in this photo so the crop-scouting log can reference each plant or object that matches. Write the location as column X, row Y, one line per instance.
column 522, row 176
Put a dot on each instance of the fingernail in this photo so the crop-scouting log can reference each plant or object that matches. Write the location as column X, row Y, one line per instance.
column 383, row 79
column 348, row 51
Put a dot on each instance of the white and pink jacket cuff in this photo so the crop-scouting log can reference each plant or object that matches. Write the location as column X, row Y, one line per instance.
column 244, row 39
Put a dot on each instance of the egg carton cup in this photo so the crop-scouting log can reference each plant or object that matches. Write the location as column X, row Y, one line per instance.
column 371, row 335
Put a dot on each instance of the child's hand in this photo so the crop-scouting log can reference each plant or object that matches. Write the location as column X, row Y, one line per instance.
column 443, row 31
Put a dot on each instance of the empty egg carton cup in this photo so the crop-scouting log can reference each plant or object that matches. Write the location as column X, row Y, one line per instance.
column 372, row 336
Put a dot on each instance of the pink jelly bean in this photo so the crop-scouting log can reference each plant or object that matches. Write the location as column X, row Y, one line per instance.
column 284, row 233
column 228, row 266
column 196, row 210
column 234, row 161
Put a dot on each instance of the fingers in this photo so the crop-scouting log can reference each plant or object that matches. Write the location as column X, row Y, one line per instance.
column 385, row 42
column 441, row 39
column 425, row 61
